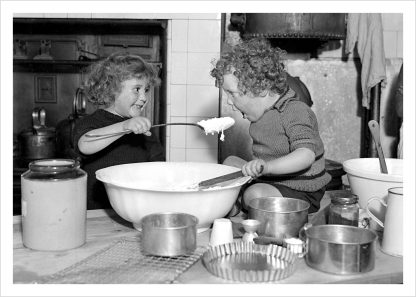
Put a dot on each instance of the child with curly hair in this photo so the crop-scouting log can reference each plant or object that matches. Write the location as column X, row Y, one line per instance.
column 118, row 86
column 287, row 148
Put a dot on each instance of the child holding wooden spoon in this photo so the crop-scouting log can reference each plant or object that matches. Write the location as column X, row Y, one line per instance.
column 284, row 130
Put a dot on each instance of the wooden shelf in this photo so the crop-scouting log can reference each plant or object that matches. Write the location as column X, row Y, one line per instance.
column 56, row 66
column 62, row 26
column 60, row 66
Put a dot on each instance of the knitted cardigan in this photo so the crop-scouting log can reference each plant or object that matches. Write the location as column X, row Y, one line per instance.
column 130, row 148
column 289, row 125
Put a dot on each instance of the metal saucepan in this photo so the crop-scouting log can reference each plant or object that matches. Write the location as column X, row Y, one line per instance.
column 340, row 249
column 280, row 217
column 169, row 234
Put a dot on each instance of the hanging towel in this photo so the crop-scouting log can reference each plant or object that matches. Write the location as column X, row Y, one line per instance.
column 366, row 31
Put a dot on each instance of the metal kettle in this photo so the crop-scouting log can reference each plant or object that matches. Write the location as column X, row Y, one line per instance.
column 39, row 141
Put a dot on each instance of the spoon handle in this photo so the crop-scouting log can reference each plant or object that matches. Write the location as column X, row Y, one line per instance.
column 375, row 132
column 99, row 136
column 172, row 124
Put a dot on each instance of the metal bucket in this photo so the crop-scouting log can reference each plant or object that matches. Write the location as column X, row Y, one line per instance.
column 169, row 234
column 280, row 217
column 340, row 249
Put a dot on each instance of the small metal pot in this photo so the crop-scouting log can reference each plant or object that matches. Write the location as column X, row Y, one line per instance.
column 340, row 249
column 39, row 141
column 169, row 234
column 280, row 217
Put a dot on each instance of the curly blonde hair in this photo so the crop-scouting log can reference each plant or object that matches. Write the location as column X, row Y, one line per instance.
column 106, row 76
column 258, row 66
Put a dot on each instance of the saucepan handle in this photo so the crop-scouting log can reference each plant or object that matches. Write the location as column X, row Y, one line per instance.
column 371, row 214
column 38, row 117
column 303, row 237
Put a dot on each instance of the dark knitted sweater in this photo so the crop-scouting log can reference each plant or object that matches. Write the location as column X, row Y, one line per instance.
column 289, row 125
column 130, row 148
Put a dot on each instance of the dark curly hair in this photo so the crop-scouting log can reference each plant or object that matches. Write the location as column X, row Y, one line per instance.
column 258, row 66
column 106, row 76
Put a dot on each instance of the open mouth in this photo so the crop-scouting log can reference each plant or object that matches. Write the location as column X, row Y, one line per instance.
column 140, row 106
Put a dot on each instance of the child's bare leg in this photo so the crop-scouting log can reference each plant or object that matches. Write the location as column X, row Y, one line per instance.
column 259, row 190
column 234, row 161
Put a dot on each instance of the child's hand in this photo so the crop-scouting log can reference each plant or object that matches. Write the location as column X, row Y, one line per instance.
column 139, row 125
column 254, row 168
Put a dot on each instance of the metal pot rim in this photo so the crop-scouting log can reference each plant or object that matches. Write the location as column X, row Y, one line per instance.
column 310, row 229
column 189, row 224
column 250, row 204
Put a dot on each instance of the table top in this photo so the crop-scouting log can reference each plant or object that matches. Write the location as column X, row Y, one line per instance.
column 105, row 227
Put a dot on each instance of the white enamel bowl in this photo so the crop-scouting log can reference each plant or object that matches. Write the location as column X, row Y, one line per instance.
column 139, row 189
column 367, row 181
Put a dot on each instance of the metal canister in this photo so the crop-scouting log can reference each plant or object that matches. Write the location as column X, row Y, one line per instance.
column 54, row 205
column 344, row 210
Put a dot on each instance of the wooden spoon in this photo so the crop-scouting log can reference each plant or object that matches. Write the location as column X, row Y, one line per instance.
column 220, row 179
column 375, row 132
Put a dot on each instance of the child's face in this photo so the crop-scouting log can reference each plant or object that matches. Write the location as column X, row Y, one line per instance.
column 248, row 106
column 132, row 99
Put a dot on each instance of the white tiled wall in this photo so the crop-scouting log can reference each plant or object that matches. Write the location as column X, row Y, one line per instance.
column 193, row 43
column 393, row 34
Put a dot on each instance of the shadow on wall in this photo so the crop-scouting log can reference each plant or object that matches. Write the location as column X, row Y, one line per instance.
column 390, row 124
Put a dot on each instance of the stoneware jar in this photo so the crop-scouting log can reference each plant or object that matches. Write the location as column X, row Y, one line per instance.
column 54, row 205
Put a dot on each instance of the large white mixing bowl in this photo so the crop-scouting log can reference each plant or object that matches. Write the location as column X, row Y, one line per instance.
column 138, row 189
column 367, row 181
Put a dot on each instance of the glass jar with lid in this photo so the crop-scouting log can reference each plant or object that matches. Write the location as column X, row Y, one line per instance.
column 54, row 205
column 344, row 210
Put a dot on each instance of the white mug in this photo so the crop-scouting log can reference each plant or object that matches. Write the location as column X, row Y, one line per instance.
column 392, row 242
column 222, row 232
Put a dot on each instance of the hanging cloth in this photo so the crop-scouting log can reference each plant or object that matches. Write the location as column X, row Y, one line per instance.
column 366, row 31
